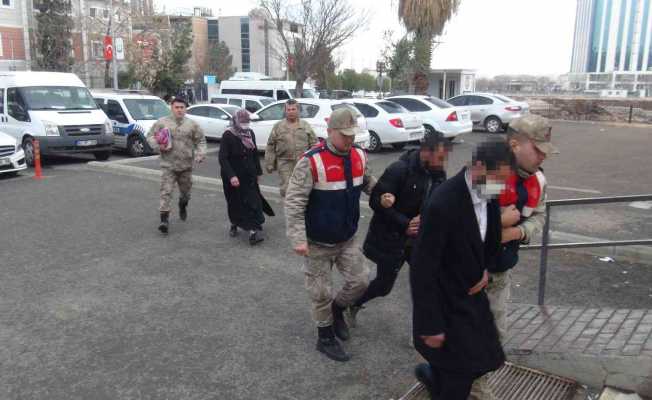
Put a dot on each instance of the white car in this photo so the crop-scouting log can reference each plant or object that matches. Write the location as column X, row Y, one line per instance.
column 492, row 111
column 12, row 157
column 437, row 115
column 212, row 118
column 389, row 123
column 314, row 111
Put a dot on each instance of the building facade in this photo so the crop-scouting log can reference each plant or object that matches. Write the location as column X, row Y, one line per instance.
column 14, row 35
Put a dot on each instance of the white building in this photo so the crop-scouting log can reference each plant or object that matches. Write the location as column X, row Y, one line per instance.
column 14, row 35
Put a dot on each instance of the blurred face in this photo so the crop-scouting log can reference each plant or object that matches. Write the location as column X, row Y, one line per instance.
column 527, row 155
column 178, row 109
column 434, row 160
column 489, row 183
column 292, row 112
column 342, row 143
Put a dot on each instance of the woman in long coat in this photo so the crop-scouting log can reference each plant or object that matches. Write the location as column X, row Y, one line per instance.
column 240, row 169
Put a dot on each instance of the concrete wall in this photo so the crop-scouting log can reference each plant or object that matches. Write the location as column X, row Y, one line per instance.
column 229, row 31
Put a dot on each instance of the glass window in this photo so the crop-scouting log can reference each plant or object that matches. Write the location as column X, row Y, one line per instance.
column 219, row 100
column 252, row 106
column 391, row 107
column 479, row 101
column 58, row 98
column 411, row 104
column 231, row 110
column 366, row 110
column 235, row 102
column 305, row 94
column 146, row 109
column 458, row 101
column 16, row 107
column 99, row 102
column 504, row 99
column 282, row 95
column 115, row 112
column 308, row 110
column 199, row 111
column 273, row 113
column 216, row 113
column 438, row 102
column 2, row 101
column 266, row 101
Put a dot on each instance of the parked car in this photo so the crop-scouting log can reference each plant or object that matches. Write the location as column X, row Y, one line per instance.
column 279, row 90
column 437, row 115
column 492, row 111
column 249, row 103
column 12, row 156
column 212, row 118
column 314, row 111
column 55, row 108
column 389, row 123
column 132, row 114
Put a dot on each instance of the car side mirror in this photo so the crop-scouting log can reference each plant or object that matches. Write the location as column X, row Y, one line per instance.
column 255, row 117
column 225, row 117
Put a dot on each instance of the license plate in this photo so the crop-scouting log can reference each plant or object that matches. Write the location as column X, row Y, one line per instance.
column 86, row 142
column 4, row 161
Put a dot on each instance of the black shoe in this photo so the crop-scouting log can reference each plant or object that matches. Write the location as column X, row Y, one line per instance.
column 333, row 349
column 163, row 226
column 340, row 327
column 183, row 210
column 233, row 232
column 423, row 373
column 254, row 238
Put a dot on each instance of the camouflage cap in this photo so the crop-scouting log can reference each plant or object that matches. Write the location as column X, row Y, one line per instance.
column 344, row 120
column 537, row 129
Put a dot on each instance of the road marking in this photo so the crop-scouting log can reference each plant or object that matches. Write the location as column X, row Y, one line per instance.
column 572, row 189
column 643, row 205
column 135, row 160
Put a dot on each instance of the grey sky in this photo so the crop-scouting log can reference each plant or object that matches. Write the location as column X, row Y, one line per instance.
column 491, row 36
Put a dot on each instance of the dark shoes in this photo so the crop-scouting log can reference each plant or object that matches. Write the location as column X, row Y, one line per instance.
column 340, row 327
column 351, row 315
column 255, row 238
column 332, row 349
column 163, row 226
column 423, row 373
column 183, row 210
column 233, row 232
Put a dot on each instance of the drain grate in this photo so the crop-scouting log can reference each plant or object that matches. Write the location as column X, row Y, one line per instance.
column 513, row 382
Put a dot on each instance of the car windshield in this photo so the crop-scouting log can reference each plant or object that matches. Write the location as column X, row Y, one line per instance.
column 307, row 94
column 147, row 109
column 438, row 102
column 503, row 98
column 58, row 98
column 231, row 110
column 392, row 108
column 266, row 101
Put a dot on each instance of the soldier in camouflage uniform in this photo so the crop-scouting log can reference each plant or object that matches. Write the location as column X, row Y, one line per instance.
column 290, row 138
column 188, row 144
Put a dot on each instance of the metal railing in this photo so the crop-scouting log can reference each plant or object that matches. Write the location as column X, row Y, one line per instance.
column 545, row 239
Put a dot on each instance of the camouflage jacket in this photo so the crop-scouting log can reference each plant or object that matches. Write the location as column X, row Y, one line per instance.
column 286, row 144
column 188, row 141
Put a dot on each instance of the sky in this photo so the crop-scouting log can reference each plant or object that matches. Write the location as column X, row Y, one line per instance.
column 493, row 37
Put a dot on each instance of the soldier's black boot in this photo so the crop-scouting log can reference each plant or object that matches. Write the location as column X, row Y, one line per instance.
column 165, row 223
column 255, row 238
column 328, row 344
column 233, row 232
column 183, row 209
column 339, row 325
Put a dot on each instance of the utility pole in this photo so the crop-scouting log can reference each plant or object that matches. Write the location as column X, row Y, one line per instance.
column 114, row 61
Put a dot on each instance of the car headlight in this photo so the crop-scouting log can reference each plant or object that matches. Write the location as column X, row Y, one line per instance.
column 51, row 129
column 108, row 128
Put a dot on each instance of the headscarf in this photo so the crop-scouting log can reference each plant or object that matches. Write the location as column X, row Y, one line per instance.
column 242, row 117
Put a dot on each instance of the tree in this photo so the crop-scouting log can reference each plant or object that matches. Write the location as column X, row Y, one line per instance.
column 53, row 36
column 317, row 28
column 399, row 61
column 171, row 72
column 220, row 61
column 424, row 20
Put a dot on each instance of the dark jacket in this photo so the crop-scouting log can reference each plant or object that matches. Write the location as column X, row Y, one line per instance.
column 407, row 180
column 244, row 202
column 449, row 258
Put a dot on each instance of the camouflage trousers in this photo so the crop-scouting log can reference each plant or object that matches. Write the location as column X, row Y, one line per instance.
column 349, row 261
column 285, row 168
column 168, row 178
column 498, row 291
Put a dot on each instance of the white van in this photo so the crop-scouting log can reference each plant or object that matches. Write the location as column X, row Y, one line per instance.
column 279, row 90
column 249, row 103
column 132, row 114
column 55, row 108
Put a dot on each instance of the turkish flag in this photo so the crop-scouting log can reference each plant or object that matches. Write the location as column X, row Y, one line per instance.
column 108, row 48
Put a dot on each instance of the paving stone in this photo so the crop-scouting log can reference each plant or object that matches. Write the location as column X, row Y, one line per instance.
column 632, row 350
column 637, row 338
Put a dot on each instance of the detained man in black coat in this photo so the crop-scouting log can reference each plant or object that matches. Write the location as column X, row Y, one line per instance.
column 459, row 240
column 393, row 230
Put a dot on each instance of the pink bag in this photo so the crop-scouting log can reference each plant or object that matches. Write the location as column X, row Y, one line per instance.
column 164, row 139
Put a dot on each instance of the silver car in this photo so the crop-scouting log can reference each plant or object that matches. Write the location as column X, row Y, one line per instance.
column 493, row 111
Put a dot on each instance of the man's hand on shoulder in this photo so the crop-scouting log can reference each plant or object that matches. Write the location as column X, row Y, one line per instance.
column 435, row 341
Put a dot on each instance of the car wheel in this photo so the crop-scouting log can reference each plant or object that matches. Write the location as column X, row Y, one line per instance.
column 429, row 129
column 135, row 146
column 398, row 146
column 28, row 148
column 102, row 155
column 493, row 124
column 374, row 143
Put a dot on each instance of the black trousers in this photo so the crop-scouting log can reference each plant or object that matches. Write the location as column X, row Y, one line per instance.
column 451, row 386
column 386, row 274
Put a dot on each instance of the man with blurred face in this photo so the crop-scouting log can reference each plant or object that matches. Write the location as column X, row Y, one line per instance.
column 289, row 139
column 322, row 209
column 458, row 243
